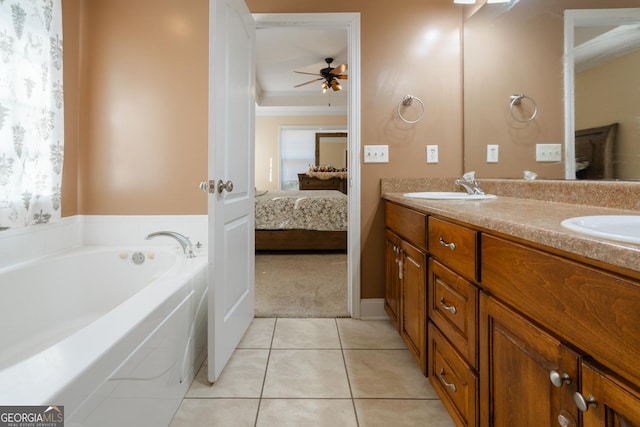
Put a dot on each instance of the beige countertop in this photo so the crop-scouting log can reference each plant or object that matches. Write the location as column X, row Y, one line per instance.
column 537, row 221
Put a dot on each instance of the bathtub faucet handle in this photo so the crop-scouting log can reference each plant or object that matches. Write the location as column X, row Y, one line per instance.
column 184, row 241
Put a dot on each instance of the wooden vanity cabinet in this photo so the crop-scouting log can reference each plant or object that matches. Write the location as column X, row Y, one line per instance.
column 518, row 360
column 608, row 401
column 393, row 258
column 536, row 308
column 406, row 274
column 453, row 318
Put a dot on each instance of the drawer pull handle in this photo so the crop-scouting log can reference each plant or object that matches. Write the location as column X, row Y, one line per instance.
column 446, row 384
column 451, row 245
column 557, row 379
column 451, row 308
column 582, row 403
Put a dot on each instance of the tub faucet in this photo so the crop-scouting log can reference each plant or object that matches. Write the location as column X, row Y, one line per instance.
column 469, row 183
column 184, row 241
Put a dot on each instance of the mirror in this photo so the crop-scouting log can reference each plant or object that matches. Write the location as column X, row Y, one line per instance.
column 518, row 49
column 331, row 149
column 602, row 52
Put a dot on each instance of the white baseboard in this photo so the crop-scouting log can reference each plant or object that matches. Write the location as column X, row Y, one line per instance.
column 372, row 309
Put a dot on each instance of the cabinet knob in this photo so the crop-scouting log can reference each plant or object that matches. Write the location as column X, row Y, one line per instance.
column 451, row 308
column 582, row 403
column 558, row 379
column 451, row 245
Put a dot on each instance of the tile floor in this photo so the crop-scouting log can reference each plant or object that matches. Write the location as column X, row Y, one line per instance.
column 315, row 372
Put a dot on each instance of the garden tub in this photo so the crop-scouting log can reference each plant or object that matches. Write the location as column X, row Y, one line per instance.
column 114, row 335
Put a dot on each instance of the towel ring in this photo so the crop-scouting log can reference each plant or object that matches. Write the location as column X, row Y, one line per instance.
column 407, row 100
column 516, row 100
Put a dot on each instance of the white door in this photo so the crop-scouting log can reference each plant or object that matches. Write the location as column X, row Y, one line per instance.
column 231, row 164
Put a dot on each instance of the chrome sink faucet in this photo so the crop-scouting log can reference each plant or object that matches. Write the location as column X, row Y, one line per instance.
column 469, row 183
column 184, row 241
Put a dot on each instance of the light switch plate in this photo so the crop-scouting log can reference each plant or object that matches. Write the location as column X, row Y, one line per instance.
column 376, row 154
column 492, row 153
column 432, row 154
column 548, row 152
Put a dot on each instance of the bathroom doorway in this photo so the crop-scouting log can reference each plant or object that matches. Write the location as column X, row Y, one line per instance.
column 349, row 24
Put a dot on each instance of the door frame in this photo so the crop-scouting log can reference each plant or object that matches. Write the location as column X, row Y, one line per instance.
column 351, row 23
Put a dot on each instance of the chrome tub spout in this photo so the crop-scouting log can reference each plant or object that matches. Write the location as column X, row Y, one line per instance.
column 184, row 241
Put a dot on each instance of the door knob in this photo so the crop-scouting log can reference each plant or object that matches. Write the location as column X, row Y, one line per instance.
column 222, row 186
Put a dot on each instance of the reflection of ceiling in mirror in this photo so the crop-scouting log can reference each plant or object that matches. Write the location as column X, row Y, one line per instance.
column 605, row 45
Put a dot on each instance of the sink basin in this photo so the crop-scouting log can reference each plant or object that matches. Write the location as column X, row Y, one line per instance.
column 621, row 228
column 448, row 195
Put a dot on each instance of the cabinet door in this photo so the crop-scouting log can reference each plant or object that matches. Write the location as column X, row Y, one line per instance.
column 607, row 401
column 518, row 360
column 414, row 303
column 393, row 257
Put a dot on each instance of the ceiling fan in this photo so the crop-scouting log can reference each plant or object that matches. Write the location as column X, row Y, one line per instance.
column 329, row 76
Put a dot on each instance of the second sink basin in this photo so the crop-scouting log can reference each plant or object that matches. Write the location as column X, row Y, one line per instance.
column 621, row 228
column 448, row 195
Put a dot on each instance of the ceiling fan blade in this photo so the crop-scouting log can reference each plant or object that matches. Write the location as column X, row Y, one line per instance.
column 341, row 76
column 302, row 72
column 339, row 69
column 310, row 81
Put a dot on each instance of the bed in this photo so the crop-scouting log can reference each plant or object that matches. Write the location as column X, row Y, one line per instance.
column 594, row 149
column 301, row 220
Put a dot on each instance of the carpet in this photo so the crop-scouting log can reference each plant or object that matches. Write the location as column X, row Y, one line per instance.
column 301, row 285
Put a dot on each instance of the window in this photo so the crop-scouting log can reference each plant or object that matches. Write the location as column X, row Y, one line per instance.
column 297, row 153
column 31, row 112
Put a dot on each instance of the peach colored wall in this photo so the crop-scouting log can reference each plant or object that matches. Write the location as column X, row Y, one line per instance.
column 609, row 94
column 142, row 131
column 267, row 142
column 143, row 119
column 410, row 47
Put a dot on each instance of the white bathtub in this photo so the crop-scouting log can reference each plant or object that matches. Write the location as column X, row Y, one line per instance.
column 115, row 342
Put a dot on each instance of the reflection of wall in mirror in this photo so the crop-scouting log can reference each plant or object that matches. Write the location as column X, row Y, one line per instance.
column 609, row 94
column 516, row 49
column 332, row 152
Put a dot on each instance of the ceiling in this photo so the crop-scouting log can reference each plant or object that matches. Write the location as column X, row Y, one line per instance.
column 280, row 51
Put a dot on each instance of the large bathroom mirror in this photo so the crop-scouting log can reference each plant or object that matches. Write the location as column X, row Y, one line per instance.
column 332, row 149
column 517, row 49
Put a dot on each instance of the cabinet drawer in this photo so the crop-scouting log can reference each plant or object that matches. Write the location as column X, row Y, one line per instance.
column 407, row 223
column 454, row 245
column 453, row 303
column 591, row 309
column 455, row 382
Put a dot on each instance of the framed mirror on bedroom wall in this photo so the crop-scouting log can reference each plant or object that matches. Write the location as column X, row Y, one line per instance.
column 332, row 149
column 518, row 48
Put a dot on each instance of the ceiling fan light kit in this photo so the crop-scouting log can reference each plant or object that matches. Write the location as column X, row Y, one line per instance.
column 329, row 76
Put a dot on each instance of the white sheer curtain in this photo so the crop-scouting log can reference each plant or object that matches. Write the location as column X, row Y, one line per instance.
column 31, row 111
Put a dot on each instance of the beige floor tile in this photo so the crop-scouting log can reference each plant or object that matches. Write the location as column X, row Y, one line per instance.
column 386, row 374
column 259, row 334
column 399, row 413
column 242, row 377
column 306, row 334
column 216, row 413
column 306, row 412
column 369, row 334
column 306, row 374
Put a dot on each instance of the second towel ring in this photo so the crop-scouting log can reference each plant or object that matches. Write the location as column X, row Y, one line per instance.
column 516, row 100
column 407, row 100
